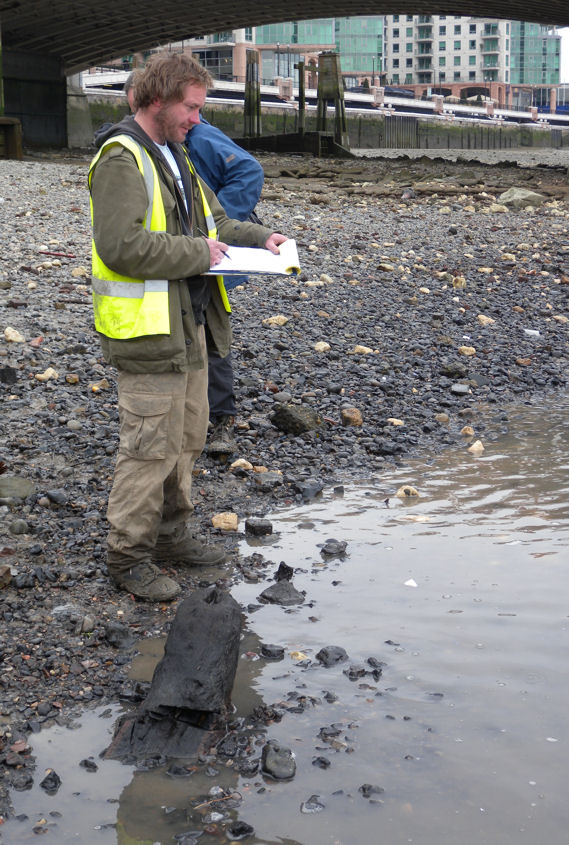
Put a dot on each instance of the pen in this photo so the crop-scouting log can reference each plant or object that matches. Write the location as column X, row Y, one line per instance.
column 201, row 231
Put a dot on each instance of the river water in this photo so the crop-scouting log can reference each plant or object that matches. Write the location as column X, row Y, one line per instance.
column 463, row 594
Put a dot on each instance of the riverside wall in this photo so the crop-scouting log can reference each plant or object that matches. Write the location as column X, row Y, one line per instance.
column 369, row 130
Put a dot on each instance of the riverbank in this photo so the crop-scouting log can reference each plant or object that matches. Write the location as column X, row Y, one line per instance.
column 424, row 306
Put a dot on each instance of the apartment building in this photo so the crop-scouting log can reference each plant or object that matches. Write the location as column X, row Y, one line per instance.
column 467, row 56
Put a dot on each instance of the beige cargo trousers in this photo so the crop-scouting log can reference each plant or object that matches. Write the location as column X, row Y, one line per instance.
column 163, row 420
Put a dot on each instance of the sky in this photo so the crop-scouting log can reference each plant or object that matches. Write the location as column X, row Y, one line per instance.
column 564, row 71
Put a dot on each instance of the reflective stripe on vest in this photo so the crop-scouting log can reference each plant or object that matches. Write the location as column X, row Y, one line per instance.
column 125, row 307
column 211, row 233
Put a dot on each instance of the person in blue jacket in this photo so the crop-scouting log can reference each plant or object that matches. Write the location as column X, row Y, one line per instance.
column 237, row 180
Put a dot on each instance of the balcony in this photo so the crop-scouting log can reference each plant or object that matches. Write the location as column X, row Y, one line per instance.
column 490, row 45
column 425, row 33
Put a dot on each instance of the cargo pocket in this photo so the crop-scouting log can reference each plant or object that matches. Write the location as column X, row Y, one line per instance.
column 144, row 425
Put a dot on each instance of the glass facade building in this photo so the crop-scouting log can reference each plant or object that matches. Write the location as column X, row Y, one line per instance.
column 534, row 54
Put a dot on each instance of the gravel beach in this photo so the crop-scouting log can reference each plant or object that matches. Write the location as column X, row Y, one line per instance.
column 426, row 307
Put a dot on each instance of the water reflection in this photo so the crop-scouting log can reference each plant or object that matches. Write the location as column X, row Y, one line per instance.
column 464, row 730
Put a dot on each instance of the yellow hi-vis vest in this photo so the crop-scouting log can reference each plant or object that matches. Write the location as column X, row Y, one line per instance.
column 125, row 307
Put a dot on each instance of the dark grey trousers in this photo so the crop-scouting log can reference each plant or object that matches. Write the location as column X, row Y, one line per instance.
column 220, row 386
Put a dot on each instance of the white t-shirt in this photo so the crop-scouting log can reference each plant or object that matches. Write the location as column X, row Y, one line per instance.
column 168, row 155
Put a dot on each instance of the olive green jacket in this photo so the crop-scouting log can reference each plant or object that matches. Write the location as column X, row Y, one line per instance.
column 127, row 247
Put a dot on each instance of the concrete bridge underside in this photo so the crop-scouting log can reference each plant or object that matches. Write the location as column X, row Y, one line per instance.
column 80, row 33
column 44, row 41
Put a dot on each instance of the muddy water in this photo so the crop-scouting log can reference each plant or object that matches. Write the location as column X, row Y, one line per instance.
column 463, row 595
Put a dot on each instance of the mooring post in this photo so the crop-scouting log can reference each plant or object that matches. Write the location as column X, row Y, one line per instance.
column 301, row 99
column 252, row 106
column 330, row 87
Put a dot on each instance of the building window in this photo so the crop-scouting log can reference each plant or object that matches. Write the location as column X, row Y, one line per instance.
column 408, row 17
column 442, row 30
column 442, row 46
column 408, row 62
column 248, row 33
column 472, row 60
column 507, row 76
column 408, row 77
column 442, row 76
column 456, row 61
column 457, row 45
column 472, row 44
column 395, row 78
column 471, row 75
column 409, row 32
column 472, row 29
column 395, row 48
column 456, row 75
column 396, row 32
column 395, row 18
column 409, row 47
column 457, row 29
column 395, row 62
column 442, row 61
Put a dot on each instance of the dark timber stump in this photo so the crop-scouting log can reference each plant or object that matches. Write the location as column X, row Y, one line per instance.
column 191, row 686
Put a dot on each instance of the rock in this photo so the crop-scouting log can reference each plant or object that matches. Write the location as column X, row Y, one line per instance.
column 333, row 547
column 460, row 389
column 369, row 789
column 225, row 521
column 15, row 487
column 322, row 346
column 312, row 805
column 272, row 652
column 13, row 336
column 328, row 280
column 51, row 782
column 362, row 350
column 468, row 351
column 395, row 422
column 47, row 375
column 119, row 635
column 331, row 654
column 238, row 830
column 442, row 418
column 521, row 198
column 352, row 416
column 19, row 526
column 477, row 448
column 277, row 761
column 5, row 575
column 485, row 320
column 8, row 375
column 283, row 593
column 58, row 497
column 321, row 762
column 295, row 419
column 241, row 463
column 309, row 489
column 407, row 492
column 257, row 526
column 459, row 282
column 467, row 431
column 276, row 320
column 266, row 482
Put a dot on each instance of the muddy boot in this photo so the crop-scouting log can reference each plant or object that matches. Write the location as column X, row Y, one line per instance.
column 189, row 551
column 145, row 581
column 222, row 441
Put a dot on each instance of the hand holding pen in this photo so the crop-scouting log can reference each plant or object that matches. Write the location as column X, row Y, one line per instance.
column 217, row 249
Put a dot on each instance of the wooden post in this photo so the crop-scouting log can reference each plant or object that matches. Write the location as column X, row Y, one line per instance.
column 330, row 87
column 252, row 106
column 301, row 99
